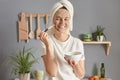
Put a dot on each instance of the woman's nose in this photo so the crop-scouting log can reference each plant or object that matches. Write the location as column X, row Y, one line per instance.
column 62, row 21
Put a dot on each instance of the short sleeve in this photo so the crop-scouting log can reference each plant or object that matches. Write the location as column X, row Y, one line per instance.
column 81, row 49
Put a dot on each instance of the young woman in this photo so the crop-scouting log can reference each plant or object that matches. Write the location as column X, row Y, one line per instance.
column 58, row 41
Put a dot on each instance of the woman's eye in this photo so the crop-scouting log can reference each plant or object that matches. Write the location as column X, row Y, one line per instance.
column 66, row 19
column 57, row 18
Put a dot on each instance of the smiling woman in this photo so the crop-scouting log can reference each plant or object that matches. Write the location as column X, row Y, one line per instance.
column 61, row 20
column 57, row 42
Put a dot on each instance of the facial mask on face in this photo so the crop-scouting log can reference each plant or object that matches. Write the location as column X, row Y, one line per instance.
column 68, row 6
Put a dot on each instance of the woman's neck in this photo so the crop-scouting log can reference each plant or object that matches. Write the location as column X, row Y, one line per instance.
column 61, row 37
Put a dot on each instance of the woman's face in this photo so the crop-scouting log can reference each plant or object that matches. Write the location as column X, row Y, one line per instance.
column 61, row 20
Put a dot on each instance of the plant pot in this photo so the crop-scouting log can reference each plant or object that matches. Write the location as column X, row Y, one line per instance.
column 25, row 76
column 100, row 38
column 87, row 37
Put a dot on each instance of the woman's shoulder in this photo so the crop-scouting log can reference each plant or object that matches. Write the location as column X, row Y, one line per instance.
column 76, row 39
column 78, row 43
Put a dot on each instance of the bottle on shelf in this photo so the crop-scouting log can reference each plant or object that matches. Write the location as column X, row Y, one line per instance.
column 102, row 71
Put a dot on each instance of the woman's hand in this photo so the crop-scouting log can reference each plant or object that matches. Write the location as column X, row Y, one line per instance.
column 72, row 63
column 78, row 67
column 44, row 38
column 49, row 58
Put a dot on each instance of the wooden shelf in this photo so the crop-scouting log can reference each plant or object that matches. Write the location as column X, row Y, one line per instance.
column 106, row 43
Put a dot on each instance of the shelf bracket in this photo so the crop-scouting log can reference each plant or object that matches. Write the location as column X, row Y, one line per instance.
column 107, row 48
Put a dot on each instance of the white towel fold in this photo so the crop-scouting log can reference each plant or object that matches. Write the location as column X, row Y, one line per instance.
column 67, row 5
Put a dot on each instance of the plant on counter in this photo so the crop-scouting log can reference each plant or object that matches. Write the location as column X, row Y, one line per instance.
column 22, row 62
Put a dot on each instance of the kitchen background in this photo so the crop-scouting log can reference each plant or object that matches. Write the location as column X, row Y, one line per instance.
column 88, row 14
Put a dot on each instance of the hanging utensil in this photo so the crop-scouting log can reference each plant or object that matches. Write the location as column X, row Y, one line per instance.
column 31, row 33
column 38, row 27
column 23, row 27
column 46, row 22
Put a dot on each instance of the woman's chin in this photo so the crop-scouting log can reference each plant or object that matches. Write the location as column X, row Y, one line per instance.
column 62, row 31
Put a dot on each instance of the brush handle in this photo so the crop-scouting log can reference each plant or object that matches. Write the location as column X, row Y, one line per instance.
column 46, row 30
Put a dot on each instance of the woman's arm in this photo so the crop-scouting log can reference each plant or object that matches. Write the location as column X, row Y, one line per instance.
column 49, row 59
column 50, row 63
column 78, row 68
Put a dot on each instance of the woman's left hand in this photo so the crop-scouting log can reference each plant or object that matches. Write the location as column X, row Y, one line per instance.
column 78, row 67
column 71, row 62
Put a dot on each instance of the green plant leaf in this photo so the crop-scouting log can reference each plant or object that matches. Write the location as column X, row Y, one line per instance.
column 100, row 31
column 23, row 61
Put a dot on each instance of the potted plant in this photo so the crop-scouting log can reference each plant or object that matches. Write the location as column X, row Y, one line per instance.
column 100, row 33
column 22, row 63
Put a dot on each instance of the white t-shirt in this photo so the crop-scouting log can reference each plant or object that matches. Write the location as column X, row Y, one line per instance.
column 65, row 71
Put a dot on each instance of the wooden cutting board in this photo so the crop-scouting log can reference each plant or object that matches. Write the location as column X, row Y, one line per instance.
column 23, row 27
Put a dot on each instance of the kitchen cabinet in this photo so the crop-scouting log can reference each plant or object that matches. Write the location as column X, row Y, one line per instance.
column 107, row 45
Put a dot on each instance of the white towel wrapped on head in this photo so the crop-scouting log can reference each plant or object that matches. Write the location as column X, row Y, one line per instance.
column 68, row 6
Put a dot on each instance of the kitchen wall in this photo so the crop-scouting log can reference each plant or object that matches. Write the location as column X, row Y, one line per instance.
column 88, row 14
